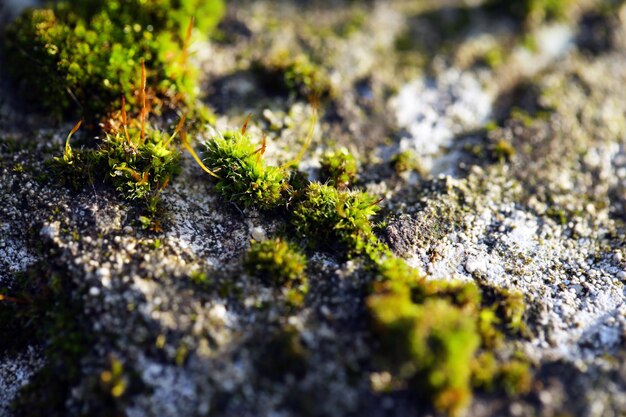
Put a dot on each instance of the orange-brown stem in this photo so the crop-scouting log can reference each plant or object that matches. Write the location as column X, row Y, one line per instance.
column 179, row 127
column 183, row 139
column 245, row 124
column 12, row 299
column 307, row 141
column 183, row 59
column 261, row 151
column 143, row 101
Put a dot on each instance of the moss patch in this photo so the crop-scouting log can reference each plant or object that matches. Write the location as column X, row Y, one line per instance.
column 82, row 57
column 242, row 175
column 282, row 265
column 339, row 168
column 430, row 345
column 137, row 159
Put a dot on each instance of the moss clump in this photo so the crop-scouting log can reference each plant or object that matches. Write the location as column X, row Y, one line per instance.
column 163, row 15
column 404, row 161
column 83, row 56
column 558, row 215
column 502, row 151
column 511, row 307
column 401, row 306
column 545, row 10
column 278, row 262
column 296, row 73
column 242, row 175
column 326, row 214
column 394, row 274
column 339, row 168
column 488, row 327
column 461, row 294
column 430, row 345
column 139, row 168
column 113, row 381
column 511, row 377
column 514, row 377
column 137, row 159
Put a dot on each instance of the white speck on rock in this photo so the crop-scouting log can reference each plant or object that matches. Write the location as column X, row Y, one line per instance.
column 435, row 111
column 258, row 233
column 476, row 264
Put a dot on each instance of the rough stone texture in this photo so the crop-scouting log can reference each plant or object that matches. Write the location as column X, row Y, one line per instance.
column 549, row 221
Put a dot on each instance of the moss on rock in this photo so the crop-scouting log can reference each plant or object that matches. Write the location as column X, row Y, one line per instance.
column 430, row 345
column 82, row 57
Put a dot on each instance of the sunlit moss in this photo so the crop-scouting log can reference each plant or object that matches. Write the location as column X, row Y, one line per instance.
column 339, row 168
column 297, row 73
column 431, row 345
column 276, row 261
column 326, row 214
column 82, row 57
column 241, row 173
column 137, row 159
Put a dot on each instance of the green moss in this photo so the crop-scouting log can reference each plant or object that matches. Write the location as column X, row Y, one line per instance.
column 511, row 307
column 541, row 10
column 514, row 377
column 326, row 214
column 139, row 169
column 199, row 278
column 502, row 151
column 353, row 24
column 394, row 274
column 113, row 381
column 82, row 57
column 339, row 168
column 404, row 161
column 431, row 345
column 484, row 370
column 558, row 215
column 169, row 15
column 296, row 73
column 241, row 173
column 461, row 294
column 401, row 306
column 488, row 327
column 494, row 57
column 278, row 262
column 137, row 159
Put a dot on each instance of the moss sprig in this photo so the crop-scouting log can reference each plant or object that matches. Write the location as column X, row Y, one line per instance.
column 430, row 345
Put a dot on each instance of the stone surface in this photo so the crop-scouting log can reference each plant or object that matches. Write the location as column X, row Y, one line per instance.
column 547, row 220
